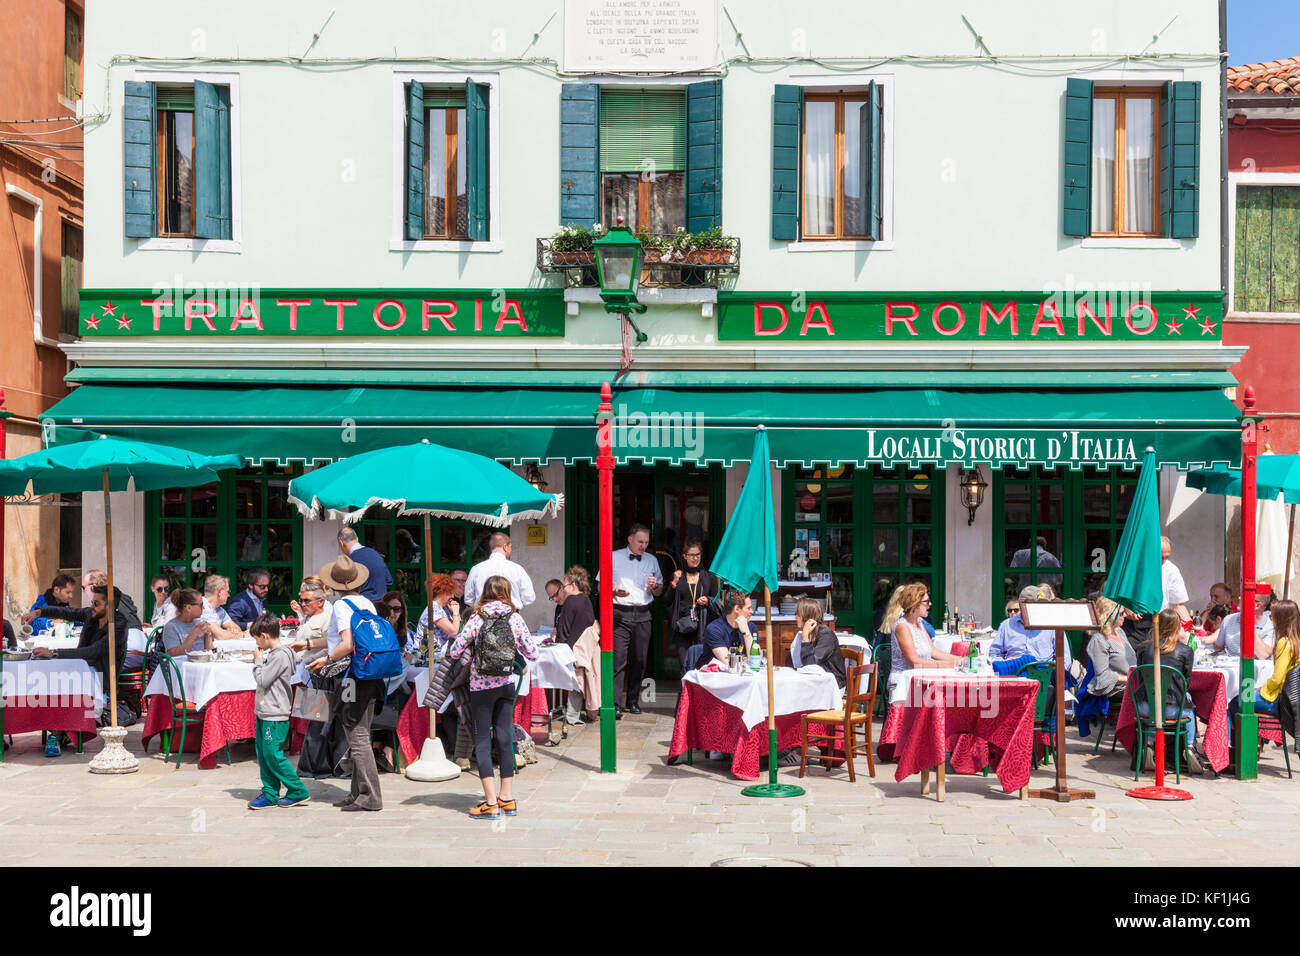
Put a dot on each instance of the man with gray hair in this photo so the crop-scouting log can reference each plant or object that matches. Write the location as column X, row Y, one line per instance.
column 380, row 580
column 216, row 592
column 499, row 563
column 1013, row 640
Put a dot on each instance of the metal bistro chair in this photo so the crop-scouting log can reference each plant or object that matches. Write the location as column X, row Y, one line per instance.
column 138, row 679
column 182, row 710
column 1044, row 704
column 843, row 722
column 1175, row 723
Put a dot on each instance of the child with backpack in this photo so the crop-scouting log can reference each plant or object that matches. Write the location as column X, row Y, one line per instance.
column 495, row 632
column 364, row 647
column 273, row 667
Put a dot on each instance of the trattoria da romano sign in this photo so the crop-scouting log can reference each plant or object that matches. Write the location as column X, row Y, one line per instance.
column 968, row 317
column 248, row 313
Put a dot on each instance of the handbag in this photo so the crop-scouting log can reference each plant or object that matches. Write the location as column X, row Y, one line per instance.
column 327, row 677
column 312, row 704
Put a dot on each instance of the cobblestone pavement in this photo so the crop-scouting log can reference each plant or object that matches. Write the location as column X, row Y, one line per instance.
column 52, row 811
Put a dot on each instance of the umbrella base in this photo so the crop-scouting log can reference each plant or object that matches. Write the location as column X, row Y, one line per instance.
column 773, row 790
column 1159, row 793
column 114, row 758
column 433, row 765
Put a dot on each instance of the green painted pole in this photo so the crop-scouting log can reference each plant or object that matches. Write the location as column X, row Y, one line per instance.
column 604, row 550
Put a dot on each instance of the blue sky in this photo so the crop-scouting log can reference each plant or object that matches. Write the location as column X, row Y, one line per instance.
column 1262, row 30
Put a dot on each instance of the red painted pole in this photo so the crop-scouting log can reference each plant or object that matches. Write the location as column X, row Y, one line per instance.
column 1247, row 724
column 605, row 553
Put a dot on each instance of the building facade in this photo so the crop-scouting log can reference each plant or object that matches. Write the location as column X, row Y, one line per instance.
column 909, row 261
column 41, row 174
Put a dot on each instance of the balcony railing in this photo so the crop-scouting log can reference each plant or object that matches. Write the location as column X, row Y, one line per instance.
column 675, row 268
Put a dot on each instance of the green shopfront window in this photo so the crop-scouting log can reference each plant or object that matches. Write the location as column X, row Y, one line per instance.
column 1058, row 528
column 240, row 522
column 871, row 529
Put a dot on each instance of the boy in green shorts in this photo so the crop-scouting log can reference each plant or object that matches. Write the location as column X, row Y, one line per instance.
column 272, row 669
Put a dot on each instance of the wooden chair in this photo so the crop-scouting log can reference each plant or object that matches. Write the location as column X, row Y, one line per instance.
column 853, row 654
column 783, row 650
column 844, row 722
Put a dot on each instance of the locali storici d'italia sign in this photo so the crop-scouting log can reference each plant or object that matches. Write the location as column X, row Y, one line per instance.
column 254, row 312
column 1015, row 448
column 968, row 317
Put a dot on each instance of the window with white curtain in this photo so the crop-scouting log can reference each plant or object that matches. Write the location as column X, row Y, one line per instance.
column 1125, row 162
column 835, row 204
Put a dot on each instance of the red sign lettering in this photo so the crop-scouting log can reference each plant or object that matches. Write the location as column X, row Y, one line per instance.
column 192, row 312
column 512, row 314
column 401, row 314
column 1128, row 318
column 339, row 305
column 758, row 318
column 444, row 317
column 891, row 318
column 252, row 320
column 1008, row 312
column 1053, row 323
column 823, row 323
column 157, row 305
column 293, row 310
column 939, row 326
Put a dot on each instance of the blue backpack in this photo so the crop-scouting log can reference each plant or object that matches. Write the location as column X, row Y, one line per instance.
column 376, row 654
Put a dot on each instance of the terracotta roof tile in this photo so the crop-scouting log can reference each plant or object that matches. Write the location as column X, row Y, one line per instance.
column 1276, row 76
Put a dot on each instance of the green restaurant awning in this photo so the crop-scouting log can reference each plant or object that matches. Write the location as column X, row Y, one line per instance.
column 1085, row 427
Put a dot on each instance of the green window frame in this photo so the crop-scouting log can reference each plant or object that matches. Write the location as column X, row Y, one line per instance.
column 1080, row 516
column 241, row 521
column 1266, row 250
column 400, row 539
column 894, row 516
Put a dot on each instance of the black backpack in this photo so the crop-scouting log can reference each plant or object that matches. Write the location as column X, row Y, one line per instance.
column 494, row 648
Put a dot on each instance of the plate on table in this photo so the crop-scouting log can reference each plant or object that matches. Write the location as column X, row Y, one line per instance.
column 200, row 657
column 18, row 655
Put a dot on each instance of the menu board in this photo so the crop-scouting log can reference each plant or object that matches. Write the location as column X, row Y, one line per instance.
column 640, row 36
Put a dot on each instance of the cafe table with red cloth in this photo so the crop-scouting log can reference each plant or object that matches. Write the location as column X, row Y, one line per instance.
column 982, row 720
column 728, row 712
column 1215, row 681
column 50, row 695
column 413, row 722
column 223, row 692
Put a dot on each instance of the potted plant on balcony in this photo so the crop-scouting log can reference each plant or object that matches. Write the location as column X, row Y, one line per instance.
column 572, row 246
column 710, row 246
column 656, row 247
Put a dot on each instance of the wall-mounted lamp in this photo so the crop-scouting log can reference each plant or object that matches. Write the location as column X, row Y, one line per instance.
column 972, row 491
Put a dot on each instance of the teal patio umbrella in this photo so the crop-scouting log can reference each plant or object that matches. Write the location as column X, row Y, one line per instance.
column 1135, row 582
column 432, row 481
column 745, row 558
column 110, row 464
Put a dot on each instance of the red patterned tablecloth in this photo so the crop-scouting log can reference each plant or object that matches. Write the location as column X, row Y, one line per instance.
column 22, row 718
column 1210, row 704
column 943, row 714
column 706, row 723
column 413, row 721
column 227, row 717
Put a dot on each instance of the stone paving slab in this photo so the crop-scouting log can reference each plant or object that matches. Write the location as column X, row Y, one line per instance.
column 53, row 812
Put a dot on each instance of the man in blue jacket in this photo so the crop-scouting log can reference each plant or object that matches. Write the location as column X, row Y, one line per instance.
column 247, row 606
column 59, row 595
column 380, row 581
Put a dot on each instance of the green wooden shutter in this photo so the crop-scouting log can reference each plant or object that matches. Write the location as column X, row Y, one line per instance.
column 871, row 126
column 1077, row 180
column 212, row 161
column 703, row 155
column 579, row 154
column 476, row 158
column 787, row 119
column 138, row 159
column 414, row 160
column 1180, row 160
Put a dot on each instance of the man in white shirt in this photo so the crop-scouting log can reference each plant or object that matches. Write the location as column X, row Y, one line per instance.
column 498, row 564
column 637, row 582
column 216, row 592
column 1172, row 579
column 1228, row 637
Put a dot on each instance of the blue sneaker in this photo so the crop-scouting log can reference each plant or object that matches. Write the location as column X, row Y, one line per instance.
column 52, row 746
column 261, row 802
column 291, row 802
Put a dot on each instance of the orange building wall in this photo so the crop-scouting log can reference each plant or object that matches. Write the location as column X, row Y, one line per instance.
column 32, row 88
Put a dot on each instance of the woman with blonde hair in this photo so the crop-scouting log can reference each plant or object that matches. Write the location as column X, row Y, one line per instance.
column 1110, row 653
column 912, row 647
column 1286, row 655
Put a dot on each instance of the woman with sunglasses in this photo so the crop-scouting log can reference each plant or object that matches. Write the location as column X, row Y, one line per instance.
column 163, row 608
column 393, row 607
column 912, row 647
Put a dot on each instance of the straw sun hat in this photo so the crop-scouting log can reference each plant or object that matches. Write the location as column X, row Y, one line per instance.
column 344, row 574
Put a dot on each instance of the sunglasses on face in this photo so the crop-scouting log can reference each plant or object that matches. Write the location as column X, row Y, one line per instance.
column 307, row 598
column 164, row 588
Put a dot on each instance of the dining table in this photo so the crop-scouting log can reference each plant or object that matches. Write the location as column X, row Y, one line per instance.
column 223, row 692
column 941, row 716
column 552, row 670
column 727, row 712
column 49, row 695
column 1216, row 680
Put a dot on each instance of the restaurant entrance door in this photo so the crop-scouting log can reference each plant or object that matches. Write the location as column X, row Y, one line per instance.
column 677, row 503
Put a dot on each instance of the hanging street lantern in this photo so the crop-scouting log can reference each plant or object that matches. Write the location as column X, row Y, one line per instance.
column 972, row 491
column 618, row 266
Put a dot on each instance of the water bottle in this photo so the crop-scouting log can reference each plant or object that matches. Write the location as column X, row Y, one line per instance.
column 755, row 657
column 972, row 658
column 947, row 618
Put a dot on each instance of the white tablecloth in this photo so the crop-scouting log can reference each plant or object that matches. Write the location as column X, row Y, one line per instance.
column 235, row 644
column 809, row 688
column 854, row 640
column 205, row 681
column 1230, row 668
column 55, row 682
column 553, row 669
